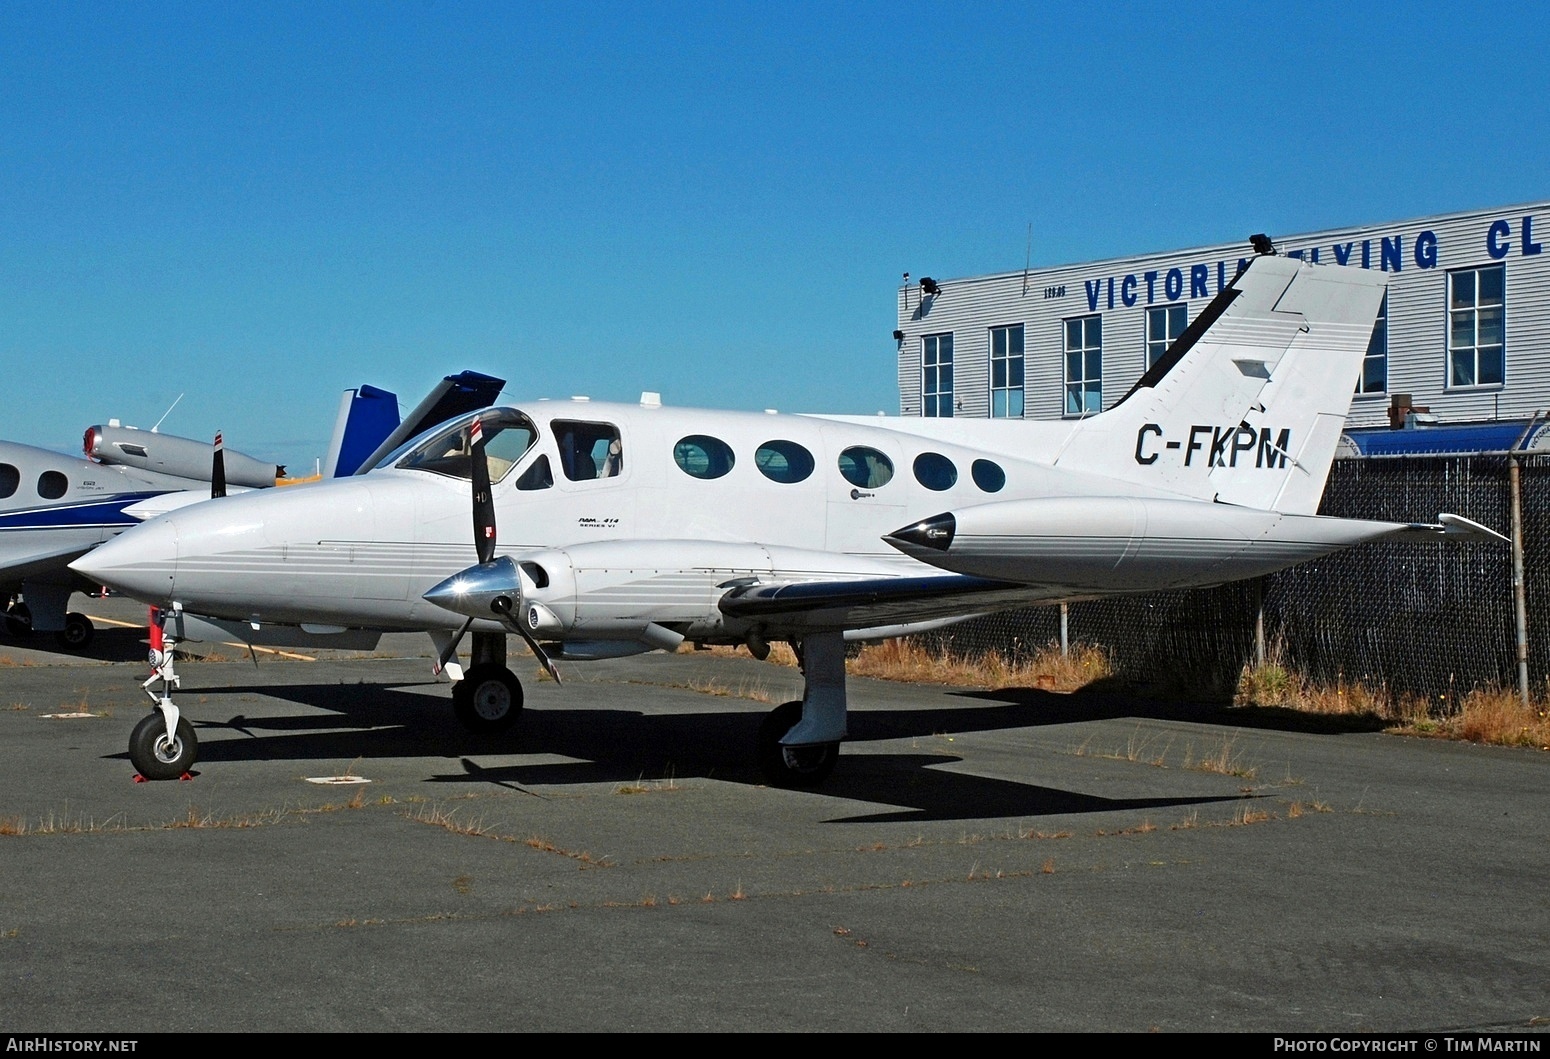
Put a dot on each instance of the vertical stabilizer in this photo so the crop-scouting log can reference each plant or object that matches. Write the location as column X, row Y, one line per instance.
column 366, row 417
column 1248, row 405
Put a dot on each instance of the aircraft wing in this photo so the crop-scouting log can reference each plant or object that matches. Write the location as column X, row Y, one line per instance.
column 870, row 603
column 44, row 560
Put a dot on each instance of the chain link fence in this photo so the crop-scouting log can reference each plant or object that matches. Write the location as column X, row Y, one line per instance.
column 1431, row 619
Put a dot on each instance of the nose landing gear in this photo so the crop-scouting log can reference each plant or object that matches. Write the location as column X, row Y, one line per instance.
column 163, row 745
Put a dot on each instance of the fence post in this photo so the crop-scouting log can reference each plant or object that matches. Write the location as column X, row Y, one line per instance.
column 1259, row 621
column 1519, row 602
column 1065, row 642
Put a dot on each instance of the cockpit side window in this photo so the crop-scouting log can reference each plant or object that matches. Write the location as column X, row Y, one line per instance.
column 538, row 476
column 507, row 437
column 588, row 450
column 10, row 479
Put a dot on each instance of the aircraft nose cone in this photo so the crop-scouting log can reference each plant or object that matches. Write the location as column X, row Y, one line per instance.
column 140, row 562
column 489, row 590
column 935, row 533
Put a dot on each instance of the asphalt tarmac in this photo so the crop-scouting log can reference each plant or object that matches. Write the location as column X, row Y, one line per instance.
column 980, row 860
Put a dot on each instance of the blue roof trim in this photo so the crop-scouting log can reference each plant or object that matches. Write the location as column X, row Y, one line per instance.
column 1454, row 438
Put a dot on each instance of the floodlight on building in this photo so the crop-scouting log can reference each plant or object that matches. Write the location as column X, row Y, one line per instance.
column 1262, row 244
column 928, row 286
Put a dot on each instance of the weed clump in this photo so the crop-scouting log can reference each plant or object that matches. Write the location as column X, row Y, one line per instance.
column 1490, row 715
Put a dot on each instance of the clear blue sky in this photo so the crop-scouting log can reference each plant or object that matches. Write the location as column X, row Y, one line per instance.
column 263, row 204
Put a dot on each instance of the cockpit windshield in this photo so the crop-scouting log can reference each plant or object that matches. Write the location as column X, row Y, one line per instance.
column 508, row 434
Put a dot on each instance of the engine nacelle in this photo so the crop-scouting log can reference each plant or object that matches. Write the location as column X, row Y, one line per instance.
column 169, row 454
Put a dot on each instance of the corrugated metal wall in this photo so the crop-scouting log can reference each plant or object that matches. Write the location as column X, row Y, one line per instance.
column 1043, row 298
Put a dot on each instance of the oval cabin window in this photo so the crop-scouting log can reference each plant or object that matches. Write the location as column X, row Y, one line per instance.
column 52, row 485
column 785, row 462
column 10, row 478
column 988, row 476
column 935, row 471
column 701, row 456
column 866, row 468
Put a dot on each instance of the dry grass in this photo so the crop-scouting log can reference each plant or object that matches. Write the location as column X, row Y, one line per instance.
column 645, row 786
column 1225, row 760
column 756, row 692
column 1491, row 716
column 1495, row 716
column 908, row 660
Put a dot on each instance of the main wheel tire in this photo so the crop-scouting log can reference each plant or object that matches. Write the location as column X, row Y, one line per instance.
column 488, row 699
column 18, row 621
column 792, row 767
column 155, row 756
column 77, row 633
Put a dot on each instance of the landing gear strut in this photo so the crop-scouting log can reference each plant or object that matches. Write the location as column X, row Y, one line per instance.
column 18, row 620
column 488, row 699
column 163, row 745
column 799, row 742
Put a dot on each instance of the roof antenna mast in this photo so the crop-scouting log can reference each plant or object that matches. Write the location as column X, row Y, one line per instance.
column 1027, row 259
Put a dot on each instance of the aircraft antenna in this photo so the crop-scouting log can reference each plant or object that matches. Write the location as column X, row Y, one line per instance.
column 167, row 413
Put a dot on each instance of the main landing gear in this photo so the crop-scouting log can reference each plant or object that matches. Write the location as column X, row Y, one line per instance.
column 163, row 745
column 799, row 742
column 77, row 633
column 72, row 631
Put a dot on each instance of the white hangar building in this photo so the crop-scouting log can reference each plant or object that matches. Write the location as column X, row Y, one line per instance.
column 1463, row 338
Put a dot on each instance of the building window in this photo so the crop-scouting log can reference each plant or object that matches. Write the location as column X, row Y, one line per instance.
column 937, row 375
column 1163, row 324
column 1375, row 365
column 1006, row 372
column 1477, row 306
column 1084, row 365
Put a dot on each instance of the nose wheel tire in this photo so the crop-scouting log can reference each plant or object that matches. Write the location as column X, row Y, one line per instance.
column 792, row 767
column 77, row 633
column 155, row 756
column 488, row 699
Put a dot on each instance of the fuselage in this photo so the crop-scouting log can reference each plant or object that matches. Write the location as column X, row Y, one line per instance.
column 778, row 495
column 53, row 507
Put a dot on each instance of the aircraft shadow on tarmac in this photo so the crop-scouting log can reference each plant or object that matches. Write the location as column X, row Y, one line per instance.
column 109, row 644
column 625, row 746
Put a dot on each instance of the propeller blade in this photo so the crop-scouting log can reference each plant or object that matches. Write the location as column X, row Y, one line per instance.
column 218, row 469
column 484, row 503
column 538, row 652
column 450, row 651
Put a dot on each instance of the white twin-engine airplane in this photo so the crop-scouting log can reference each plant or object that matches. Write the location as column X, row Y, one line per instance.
column 629, row 528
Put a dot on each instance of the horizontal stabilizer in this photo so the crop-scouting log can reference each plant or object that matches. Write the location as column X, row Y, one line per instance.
column 1448, row 527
